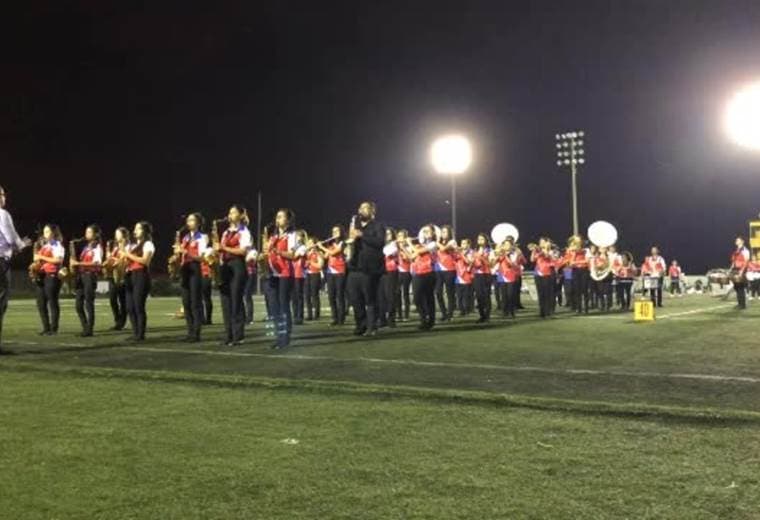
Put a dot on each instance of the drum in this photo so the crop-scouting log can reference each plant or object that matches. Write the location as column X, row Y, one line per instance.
column 753, row 275
column 651, row 282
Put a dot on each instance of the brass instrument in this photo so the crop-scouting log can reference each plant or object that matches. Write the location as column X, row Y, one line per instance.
column 106, row 270
column 212, row 258
column 119, row 267
column 349, row 242
column 532, row 246
column 175, row 260
column 600, row 273
column 35, row 267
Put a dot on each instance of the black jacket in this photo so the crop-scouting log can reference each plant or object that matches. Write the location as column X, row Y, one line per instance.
column 368, row 249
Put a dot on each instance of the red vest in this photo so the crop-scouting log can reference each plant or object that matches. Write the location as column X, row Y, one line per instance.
column 88, row 255
column 423, row 264
column 480, row 263
column 544, row 264
column 190, row 246
column 336, row 263
column 739, row 259
column 299, row 267
column 231, row 238
column 47, row 250
column 446, row 260
column 674, row 271
column 464, row 270
column 312, row 261
column 278, row 265
column 132, row 265
column 404, row 264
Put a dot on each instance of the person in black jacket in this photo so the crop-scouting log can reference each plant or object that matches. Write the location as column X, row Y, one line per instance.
column 365, row 267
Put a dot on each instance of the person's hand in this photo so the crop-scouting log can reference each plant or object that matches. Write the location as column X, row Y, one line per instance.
column 177, row 249
column 356, row 233
column 37, row 258
column 74, row 263
column 27, row 242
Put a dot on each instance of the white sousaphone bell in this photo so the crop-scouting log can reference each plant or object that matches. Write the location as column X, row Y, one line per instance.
column 436, row 234
column 500, row 232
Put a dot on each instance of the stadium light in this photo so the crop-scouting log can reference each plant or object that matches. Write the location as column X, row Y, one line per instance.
column 571, row 155
column 742, row 118
column 451, row 155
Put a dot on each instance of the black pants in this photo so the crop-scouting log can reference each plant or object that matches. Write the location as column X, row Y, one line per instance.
column 313, row 303
column 579, row 289
column 362, row 290
column 567, row 285
column 558, row 283
column 603, row 293
column 208, row 304
column 656, row 294
column 48, row 290
column 446, row 280
column 233, row 278
column 404, row 283
column 518, row 292
column 85, row 300
column 624, row 286
column 250, row 288
column 508, row 298
column 5, row 285
column 464, row 298
column 754, row 287
column 741, row 294
column 388, row 297
column 299, row 289
column 280, row 290
column 496, row 292
column 191, row 283
column 675, row 286
column 423, row 286
column 137, row 286
column 336, row 294
column 117, row 297
column 545, row 288
column 482, row 284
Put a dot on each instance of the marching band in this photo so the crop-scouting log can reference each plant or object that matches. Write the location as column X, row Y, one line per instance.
column 372, row 267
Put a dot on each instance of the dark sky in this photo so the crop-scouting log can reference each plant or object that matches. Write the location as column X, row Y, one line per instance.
column 114, row 114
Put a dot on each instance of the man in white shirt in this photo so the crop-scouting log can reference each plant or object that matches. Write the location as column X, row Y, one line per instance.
column 10, row 242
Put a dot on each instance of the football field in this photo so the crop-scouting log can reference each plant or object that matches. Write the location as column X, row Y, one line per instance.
column 572, row 417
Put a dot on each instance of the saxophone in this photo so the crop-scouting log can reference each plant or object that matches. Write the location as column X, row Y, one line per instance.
column 176, row 258
column 212, row 258
column 349, row 242
column 107, row 270
column 119, row 268
column 35, row 267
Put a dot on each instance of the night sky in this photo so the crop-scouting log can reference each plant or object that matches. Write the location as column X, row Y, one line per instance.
column 114, row 114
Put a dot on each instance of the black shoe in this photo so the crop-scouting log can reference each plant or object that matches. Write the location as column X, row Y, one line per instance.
column 481, row 320
column 392, row 324
column 225, row 343
column 360, row 331
column 370, row 333
column 86, row 334
column 44, row 333
column 334, row 324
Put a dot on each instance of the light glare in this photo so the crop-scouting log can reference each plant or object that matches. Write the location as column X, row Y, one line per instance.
column 743, row 117
column 451, row 154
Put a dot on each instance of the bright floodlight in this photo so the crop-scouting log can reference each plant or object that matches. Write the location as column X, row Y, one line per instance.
column 451, row 154
column 743, row 117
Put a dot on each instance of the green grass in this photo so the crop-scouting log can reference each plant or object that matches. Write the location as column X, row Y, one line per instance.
column 591, row 417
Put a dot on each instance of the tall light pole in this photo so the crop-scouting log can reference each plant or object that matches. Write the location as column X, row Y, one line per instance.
column 571, row 155
column 451, row 155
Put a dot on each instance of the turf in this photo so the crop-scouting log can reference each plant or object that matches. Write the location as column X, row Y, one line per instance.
column 574, row 417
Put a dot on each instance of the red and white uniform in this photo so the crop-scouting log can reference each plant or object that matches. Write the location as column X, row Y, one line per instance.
column 654, row 266
column 313, row 262
column 425, row 261
column 600, row 261
column 299, row 262
column 446, row 257
column 390, row 252
column 250, row 261
column 740, row 259
column 404, row 264
column 464, row 269
column 626, row 272
column 52, row 249
column 544, row 263
column 577, row 258
column 480, row 261
column 509, row 267
column 137, row 250
column 193, row 245
column 91, row 254
column 236, row 238
column 280, row 266
column 336, row 260
column 674, row 272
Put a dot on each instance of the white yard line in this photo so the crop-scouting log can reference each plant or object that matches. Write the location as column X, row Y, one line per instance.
column 439, row 364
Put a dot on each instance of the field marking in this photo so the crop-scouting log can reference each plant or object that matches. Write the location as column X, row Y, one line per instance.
column 37, row 344
column 663, row 317
column 442, row 364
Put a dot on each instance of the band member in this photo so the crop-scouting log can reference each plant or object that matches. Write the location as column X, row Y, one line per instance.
column 508, row 261
column 192, row 249
column 464, row 278
column 88, row 269
column 138, row 256
column 578, row 259
column 366, row 266
column 625, row 275
column 49, row 258
column 281, row 251
column 675, row 273
column 545, row 266
column 739, row 264
column 482, row 282
column 251, row 264
column 601, row 267
column 115, row 268
column 232, row 249
column 616, row 261
column 404, row 275
column 314, row 264
column 445, row 272
column 336, row 275
column 654, row 266
column 423, row 277
column 753, row 276
column 208, row 273
column 10, row 242
column 389, row 286
column 299, row 276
